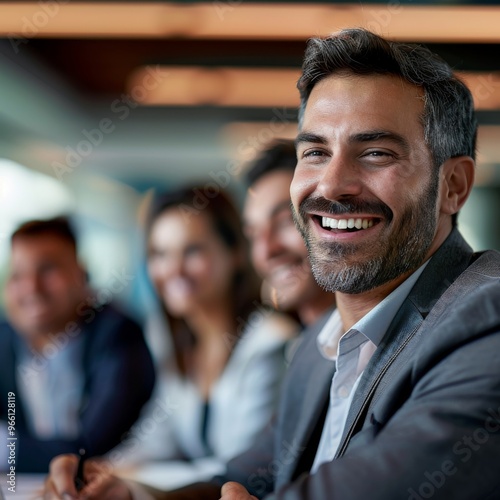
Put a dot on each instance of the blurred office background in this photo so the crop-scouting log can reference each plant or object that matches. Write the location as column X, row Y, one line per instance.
column 102, row 103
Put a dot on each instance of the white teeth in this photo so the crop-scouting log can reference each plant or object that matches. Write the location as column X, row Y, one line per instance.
column 346, row 223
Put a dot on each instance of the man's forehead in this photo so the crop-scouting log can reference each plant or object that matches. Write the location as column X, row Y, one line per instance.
column 41, row 247
column 374, row 88
column 363, row 104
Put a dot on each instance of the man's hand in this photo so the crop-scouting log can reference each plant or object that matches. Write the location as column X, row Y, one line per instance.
column 235, row 491
column 99, row 482
column 60, row 484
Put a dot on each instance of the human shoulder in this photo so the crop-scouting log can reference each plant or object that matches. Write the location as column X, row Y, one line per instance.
column 8, row 337
column 264, row 335
column 6, row 330
column 467, row 314
column 477, row 284
column 486, row 263
column 266, row 327
column 109, row 318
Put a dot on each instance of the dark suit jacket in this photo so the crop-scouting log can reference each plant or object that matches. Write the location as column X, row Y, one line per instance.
column 425, row 419
column 119, row 379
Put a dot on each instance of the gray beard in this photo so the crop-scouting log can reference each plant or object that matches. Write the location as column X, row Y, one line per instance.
column 404, row 251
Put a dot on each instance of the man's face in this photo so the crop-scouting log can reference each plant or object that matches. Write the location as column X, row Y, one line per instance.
column 278, row 252
column 365, row 193
column 45, row 284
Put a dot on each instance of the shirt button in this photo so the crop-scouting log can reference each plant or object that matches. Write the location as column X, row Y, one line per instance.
column 343, row 391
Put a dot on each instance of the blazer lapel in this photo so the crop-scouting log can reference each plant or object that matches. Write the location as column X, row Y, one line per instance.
column 406, row 323
column 314, row 398
column 303, row 409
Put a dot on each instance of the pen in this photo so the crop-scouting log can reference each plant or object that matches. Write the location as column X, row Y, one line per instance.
column 79, row 481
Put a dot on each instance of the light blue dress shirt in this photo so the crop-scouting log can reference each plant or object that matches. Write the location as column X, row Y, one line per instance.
column 51, row 388
column 351, row 355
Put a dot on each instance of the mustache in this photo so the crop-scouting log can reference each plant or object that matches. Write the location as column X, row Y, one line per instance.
column 350, row 206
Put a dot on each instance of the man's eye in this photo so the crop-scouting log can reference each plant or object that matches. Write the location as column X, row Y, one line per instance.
column 284, row 221
column 313, row 152
column 379, row 157
column 379, row 153
column 157, row 255
column 48, row 267
column 193, row 249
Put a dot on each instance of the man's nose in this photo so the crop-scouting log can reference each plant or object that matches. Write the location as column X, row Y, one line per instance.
column 340, row 179
column 32, row 283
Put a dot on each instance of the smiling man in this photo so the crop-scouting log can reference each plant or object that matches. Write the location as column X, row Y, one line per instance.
column 407, row 404
column 80, row 370
column 277, row 250
column 368, row 199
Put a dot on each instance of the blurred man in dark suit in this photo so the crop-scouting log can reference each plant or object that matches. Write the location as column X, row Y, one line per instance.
column 80, row 370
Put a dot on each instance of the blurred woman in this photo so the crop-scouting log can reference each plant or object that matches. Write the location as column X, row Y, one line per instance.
column 218, row 387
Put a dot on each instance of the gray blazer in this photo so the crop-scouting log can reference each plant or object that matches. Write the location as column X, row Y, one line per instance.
column 425, row 418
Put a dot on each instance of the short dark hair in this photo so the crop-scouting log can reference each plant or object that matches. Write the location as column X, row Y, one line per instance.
column 449, row 120
column 280, row 155
column 58, row 226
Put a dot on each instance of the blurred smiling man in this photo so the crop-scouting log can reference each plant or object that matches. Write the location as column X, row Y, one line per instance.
column 278, row 252
column 80, row 371
column 46, row 283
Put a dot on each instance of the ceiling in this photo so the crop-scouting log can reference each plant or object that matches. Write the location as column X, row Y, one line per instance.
column 74, row 83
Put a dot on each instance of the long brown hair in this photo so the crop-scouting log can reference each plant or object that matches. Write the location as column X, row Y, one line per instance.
column 194, row 200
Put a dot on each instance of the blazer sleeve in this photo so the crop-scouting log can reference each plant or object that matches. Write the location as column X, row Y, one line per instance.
column 120, row 380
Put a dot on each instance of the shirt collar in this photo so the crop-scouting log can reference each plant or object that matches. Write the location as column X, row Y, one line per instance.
column 375, row 323
column 372, row 325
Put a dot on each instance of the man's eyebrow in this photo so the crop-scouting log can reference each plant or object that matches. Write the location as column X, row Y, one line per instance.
column 308, row 137
column 376, row 135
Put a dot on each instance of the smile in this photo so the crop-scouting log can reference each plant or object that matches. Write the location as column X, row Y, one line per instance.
column 348, row 224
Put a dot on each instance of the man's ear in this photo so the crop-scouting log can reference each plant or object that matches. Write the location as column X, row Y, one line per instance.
column 457, row 179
